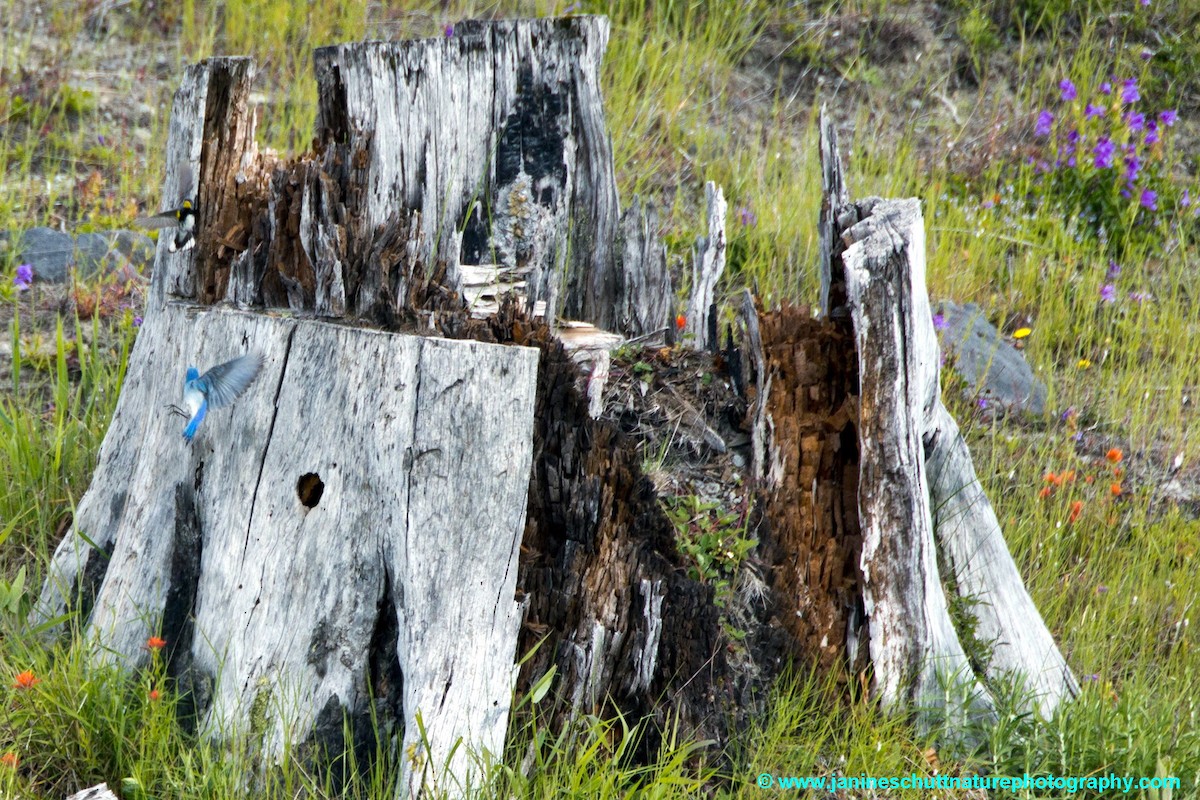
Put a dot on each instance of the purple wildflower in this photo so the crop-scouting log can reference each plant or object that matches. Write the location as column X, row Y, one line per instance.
column 1093, row 677
column 1139, row 297
column 137, row 322
column 1186, row 199
column 1149, row 199
column 1135, row 120
column 1044, row 122
column 1147, row 55
column 23, row 278
column 1151, row 132
column 1129, row 91
column 989, row 203
column 1108, row 293
column 1106, row 88
column 448, row 29
column 982, row 402
column 1091, row 111
column 1068, row 89
column 100, row 139
column 749, row 218
column 939, row 322
column 1103, row 151
column 1133, row 166
column 1114, row 269
column 1168, row 117
column 1145, row 3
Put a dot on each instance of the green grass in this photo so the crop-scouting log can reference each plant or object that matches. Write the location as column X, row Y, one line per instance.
column 1116, row 584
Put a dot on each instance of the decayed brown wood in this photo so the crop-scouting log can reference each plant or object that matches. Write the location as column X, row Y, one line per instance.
column 811, row 537
column 608, row 601
column 919, row 489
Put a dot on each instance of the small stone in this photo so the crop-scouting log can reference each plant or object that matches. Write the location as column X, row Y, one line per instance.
column 52, row 254
column 987, row 361
column 49, row 252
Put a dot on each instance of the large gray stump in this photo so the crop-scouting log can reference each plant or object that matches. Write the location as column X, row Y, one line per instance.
column 343, row 542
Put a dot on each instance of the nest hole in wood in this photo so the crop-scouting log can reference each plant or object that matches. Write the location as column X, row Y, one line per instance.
column 309, row 488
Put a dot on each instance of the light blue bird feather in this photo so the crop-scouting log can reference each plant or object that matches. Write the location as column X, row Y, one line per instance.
column 218, row 387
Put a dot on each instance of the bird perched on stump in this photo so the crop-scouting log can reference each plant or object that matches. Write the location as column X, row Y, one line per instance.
column 218, row 387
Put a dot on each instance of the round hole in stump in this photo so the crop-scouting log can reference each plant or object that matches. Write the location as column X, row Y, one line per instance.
column 310, row 488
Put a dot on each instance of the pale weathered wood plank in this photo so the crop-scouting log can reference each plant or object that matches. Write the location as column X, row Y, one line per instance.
column 708, row 263
column 422, row 448
column 971, row 540
column 914, row 648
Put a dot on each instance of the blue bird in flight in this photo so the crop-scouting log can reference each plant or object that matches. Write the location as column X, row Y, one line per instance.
column 218, row 387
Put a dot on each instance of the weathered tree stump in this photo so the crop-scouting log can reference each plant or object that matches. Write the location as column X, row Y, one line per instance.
column 866, row 478
column 387, row 522
column 318, row 547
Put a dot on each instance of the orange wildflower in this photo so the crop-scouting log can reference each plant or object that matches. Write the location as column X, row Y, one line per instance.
column 1115, row 488
column 1050, row 477
column 681, row 322
column 1076, row 510
column 1069, row 476
column 154, row 694
column 155, row 643
column 1045, row 492
column 25, row 680
column 10, row 760
column 1114, row 455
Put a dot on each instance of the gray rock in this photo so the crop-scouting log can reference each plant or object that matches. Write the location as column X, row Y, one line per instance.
column 994, row 370
column 133, row 248
column 53, row 254
column 49, row 252
column 91, row 253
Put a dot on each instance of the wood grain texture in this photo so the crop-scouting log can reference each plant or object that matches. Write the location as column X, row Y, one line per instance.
column 973, row 545
column 641, row 301
column 913, row 645
column 495, row 136
column 422, row 448
column 835, row 198
column 708, row 263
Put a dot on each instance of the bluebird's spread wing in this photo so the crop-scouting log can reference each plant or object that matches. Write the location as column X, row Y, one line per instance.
column 223, row 383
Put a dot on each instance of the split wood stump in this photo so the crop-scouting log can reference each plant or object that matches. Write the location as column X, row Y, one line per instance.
column 868, row 488
column 416, row 494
